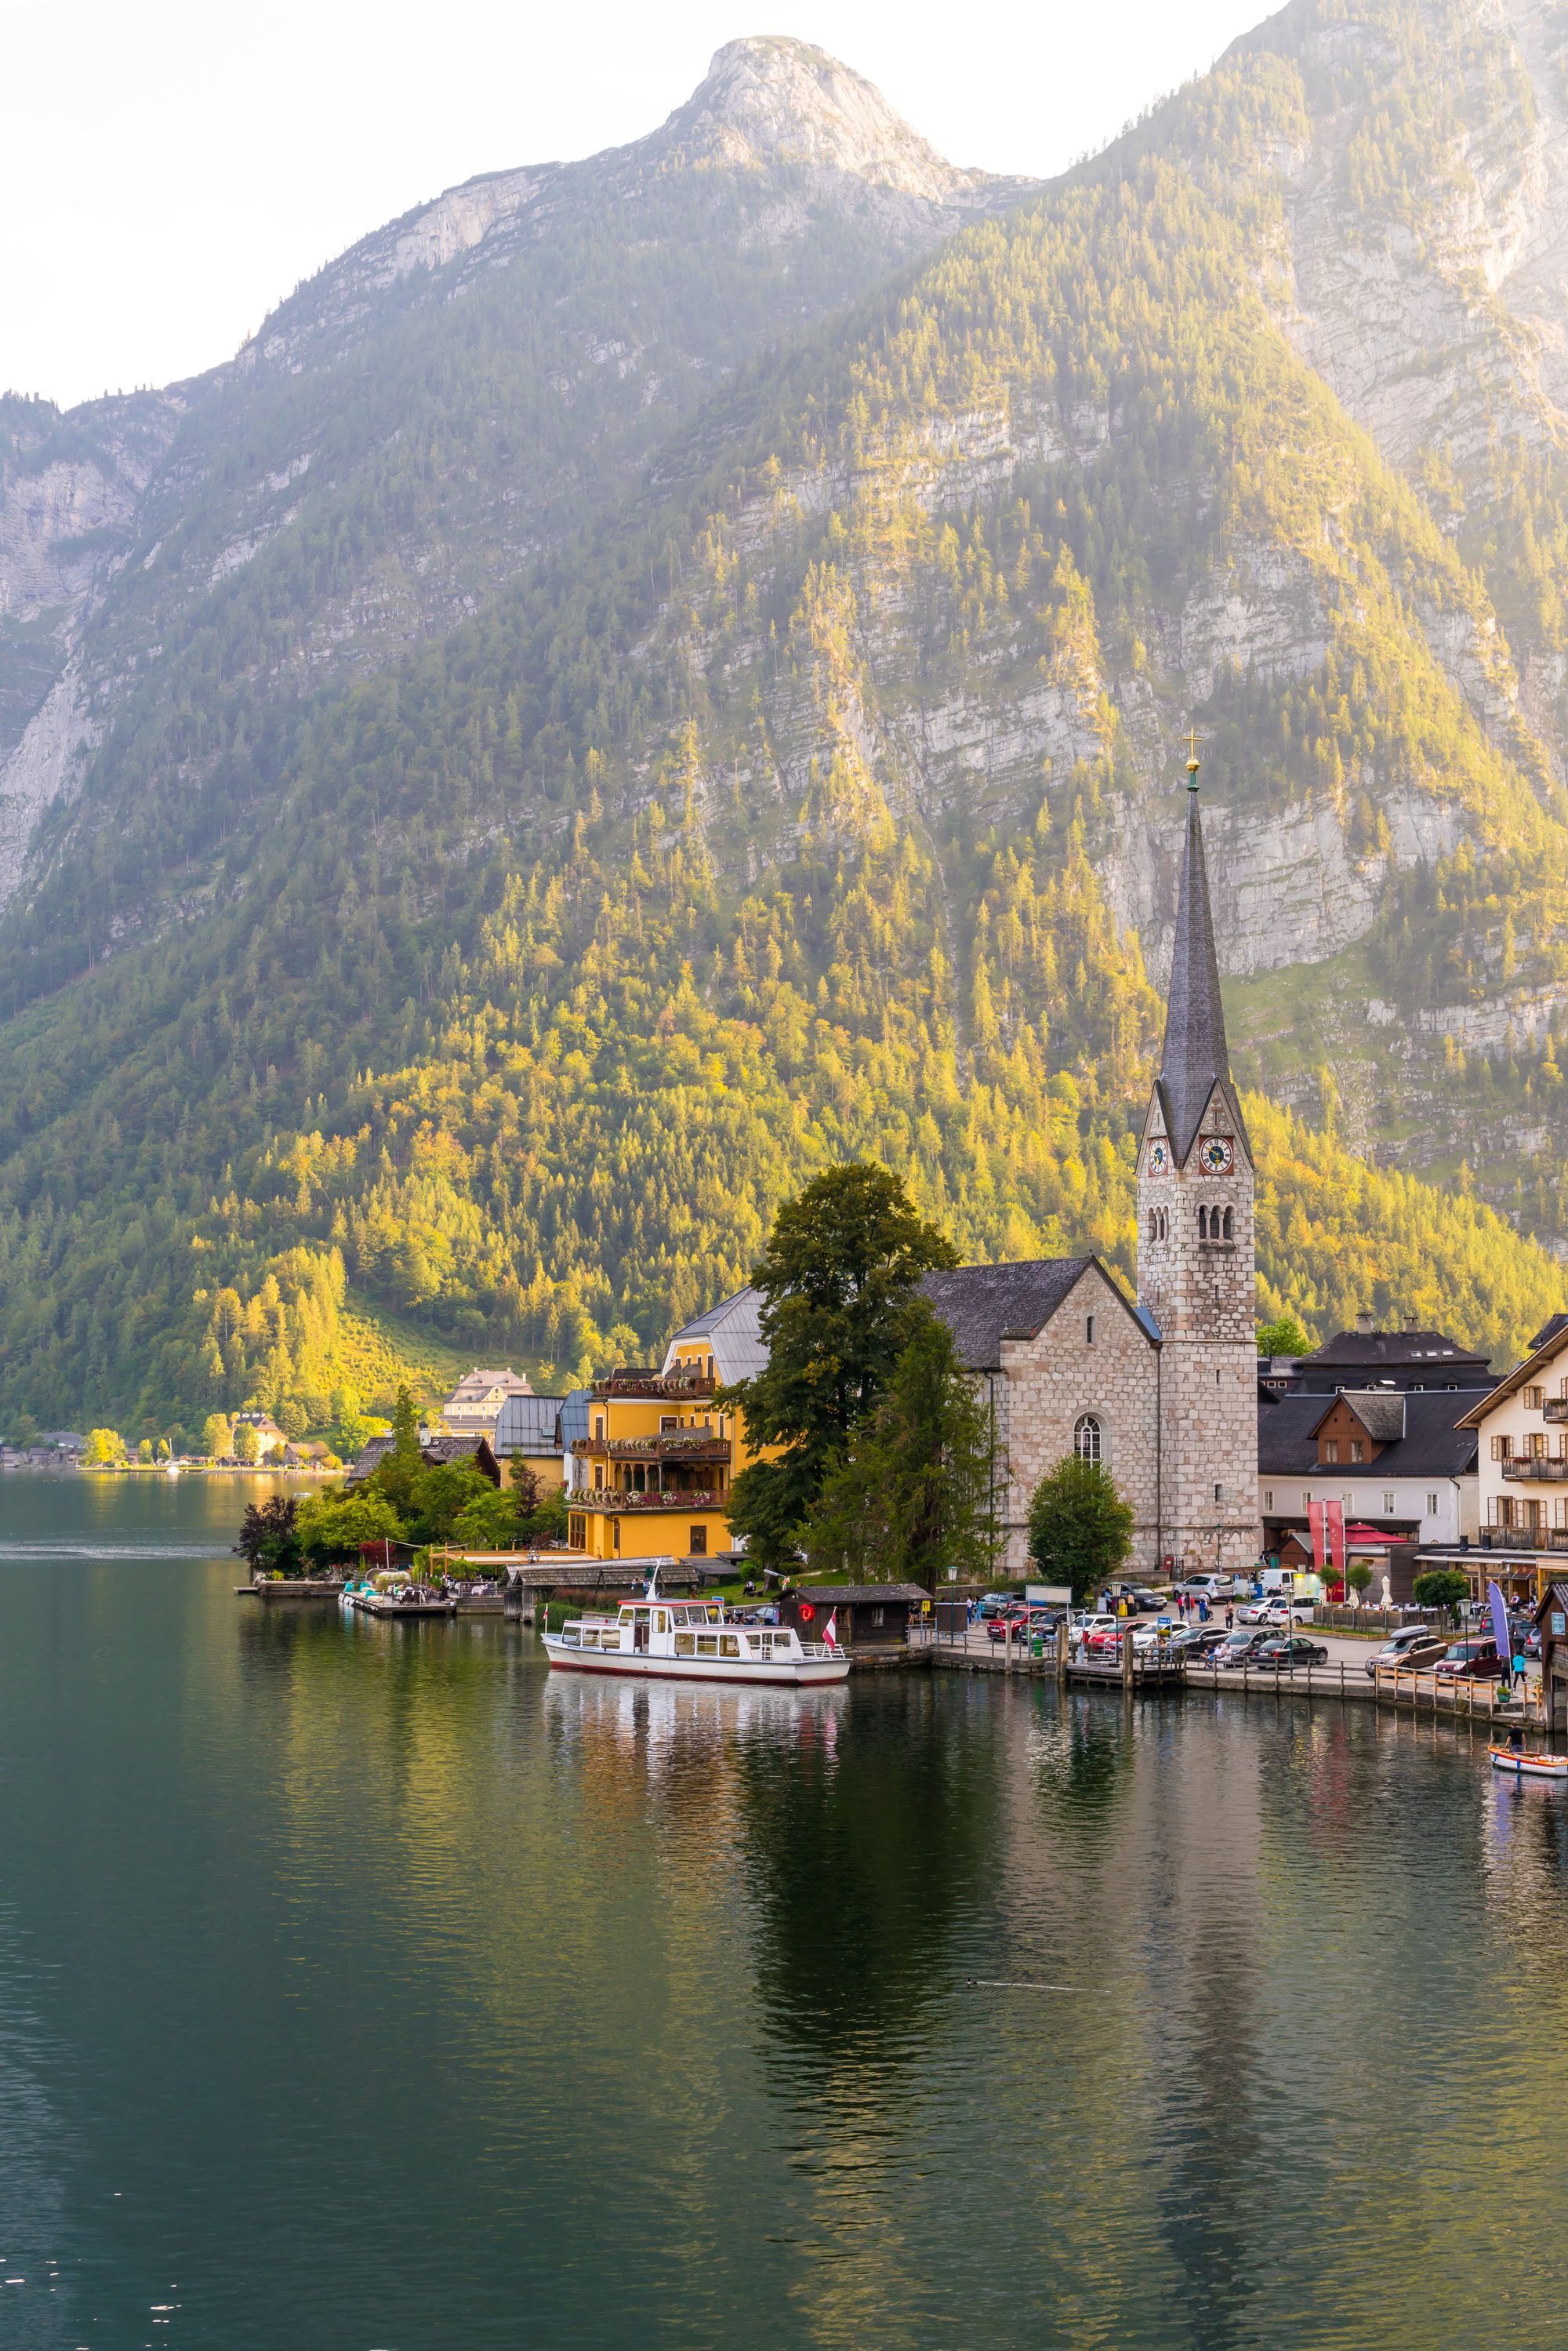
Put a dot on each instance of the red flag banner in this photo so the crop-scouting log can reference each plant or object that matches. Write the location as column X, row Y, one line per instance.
column 1315, row 1520
column 1333, row 1512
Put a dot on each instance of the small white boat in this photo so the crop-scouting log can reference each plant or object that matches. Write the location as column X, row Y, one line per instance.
column 1526, row 1766
column 692, row 1640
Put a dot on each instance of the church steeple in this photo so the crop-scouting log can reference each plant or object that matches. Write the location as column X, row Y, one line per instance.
column 1194, row 1059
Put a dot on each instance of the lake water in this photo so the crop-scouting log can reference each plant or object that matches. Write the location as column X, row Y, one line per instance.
column 365, row 1989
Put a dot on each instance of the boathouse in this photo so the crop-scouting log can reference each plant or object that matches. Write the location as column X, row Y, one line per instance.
column 871, row 1617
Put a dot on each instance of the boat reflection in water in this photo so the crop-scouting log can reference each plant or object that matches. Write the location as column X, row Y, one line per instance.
column 656, row 1714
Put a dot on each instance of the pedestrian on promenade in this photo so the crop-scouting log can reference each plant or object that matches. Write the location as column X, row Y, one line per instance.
column 1229, row 1619
column 1202, row 1611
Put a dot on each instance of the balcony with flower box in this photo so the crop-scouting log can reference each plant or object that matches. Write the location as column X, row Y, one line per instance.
column 1536, row 1468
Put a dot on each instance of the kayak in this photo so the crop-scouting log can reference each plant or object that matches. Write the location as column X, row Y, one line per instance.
column 1529, row 1767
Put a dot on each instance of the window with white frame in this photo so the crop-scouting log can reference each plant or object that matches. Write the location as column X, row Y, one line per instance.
column 1088, row 1438
column 1431, row 1505
column 1388, row 1506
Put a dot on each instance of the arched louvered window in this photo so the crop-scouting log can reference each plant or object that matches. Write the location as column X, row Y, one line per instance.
column 1088, row 1438
column 1202, row 1224
column 1227, row 1225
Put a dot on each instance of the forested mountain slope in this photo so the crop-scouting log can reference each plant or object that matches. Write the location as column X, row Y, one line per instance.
column 813, row 796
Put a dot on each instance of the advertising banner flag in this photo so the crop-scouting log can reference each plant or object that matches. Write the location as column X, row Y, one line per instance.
column 1499, row 1630
column 1333, row 1513
column 1315, row 1520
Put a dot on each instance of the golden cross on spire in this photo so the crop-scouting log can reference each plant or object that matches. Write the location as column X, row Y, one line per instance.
column 1192, row 758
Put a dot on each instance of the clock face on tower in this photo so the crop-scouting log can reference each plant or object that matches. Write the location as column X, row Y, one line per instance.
column 1217, row 1155
column 1159, row 1158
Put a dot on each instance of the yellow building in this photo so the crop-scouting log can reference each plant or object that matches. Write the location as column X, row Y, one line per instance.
column 652, row 1478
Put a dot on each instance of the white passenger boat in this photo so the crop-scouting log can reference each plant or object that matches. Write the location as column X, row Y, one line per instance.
column 692, row 1640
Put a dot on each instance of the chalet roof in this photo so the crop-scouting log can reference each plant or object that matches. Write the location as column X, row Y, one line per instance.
column 1433, row 1353
column 528, row 1424
column 1196, row 1059
column 850, row 1595
column 1436, row 1441
column 478, row 1383
column 1551, row 1341
column 1381, row 1412
column 732, row 1332
column 434, row 1453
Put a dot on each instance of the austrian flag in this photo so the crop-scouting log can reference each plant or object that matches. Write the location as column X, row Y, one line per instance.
column 830, row 1631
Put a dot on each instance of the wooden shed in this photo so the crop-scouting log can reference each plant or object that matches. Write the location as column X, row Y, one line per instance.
column 871, row 1617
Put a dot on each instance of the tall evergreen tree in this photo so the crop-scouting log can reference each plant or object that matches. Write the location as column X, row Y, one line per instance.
column 912, row 1497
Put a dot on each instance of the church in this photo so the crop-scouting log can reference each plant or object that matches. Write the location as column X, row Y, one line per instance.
column 1162, row 1391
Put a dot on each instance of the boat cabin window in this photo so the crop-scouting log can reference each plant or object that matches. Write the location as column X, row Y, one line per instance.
column 685, row 1643
column 729, row 1645
column 707, row 1644
column 664, row 1621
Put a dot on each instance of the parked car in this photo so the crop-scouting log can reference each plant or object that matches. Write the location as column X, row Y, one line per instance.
column 1142, row 1601
column 1198, row 1642
column 1475, row 1660
column 1011, row 1624
column 1271, row 1611
column 1413, row 1645
column 1239, row 1647
column 1087, row 1624
column 1210, row 1587
column 1283, row 1655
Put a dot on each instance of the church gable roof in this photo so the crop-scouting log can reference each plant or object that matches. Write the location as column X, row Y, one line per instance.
column 1196, row 1060
column 983, row 1304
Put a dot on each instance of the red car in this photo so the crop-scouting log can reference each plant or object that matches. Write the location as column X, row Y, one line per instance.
column 1012, row 1627
column 1476, row 1660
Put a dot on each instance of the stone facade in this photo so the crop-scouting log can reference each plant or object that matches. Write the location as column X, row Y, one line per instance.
column 1093, row 1358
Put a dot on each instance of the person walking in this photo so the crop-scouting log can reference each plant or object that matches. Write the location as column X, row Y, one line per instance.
column 1229, row 1620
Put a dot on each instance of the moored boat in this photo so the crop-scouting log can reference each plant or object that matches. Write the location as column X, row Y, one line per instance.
column 693, row 1640
column 1526, row 1766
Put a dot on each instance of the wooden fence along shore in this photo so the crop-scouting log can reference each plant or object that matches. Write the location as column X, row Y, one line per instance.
column 1399, row 1686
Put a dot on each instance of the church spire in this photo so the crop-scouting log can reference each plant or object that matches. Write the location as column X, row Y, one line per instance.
column 1194, row 1059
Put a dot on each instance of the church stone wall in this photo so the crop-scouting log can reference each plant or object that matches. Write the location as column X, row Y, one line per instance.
column 1043, row 1386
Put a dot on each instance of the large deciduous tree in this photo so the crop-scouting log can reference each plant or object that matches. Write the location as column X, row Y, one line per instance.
column 837, row 1276
column 1080, row 1529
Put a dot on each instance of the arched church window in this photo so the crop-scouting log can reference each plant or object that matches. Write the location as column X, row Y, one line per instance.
column 1227, row 1226
column 1087, row 1437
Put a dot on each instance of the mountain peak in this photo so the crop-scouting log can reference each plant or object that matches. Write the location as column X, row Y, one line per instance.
column 770, row 100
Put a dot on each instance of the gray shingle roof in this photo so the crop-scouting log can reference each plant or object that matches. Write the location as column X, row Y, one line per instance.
column 733, row 1331
column 1196, row 1059
column 983, row 1304
column 1381, row 1412
column 1431, row 1445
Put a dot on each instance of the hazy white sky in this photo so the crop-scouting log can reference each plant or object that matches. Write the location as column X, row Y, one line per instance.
column 169, row 169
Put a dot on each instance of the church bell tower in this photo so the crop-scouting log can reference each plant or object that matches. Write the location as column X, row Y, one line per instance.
column 1196, row 1265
